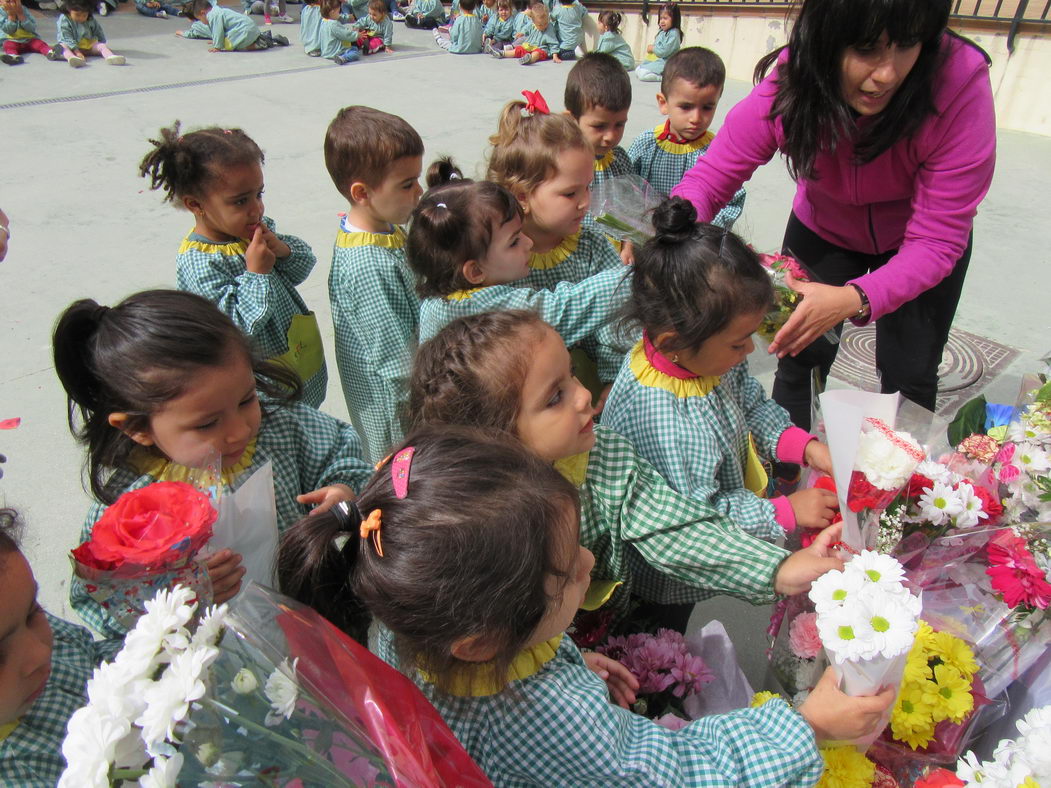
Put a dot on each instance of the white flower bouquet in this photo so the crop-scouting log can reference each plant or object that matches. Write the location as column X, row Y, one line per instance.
column 264, row 692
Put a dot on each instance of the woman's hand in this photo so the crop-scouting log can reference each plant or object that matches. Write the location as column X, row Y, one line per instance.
column 823, row 307
column 622, row 684
column 326, row 497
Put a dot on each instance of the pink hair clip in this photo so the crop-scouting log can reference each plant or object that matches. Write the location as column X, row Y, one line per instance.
column 399, row 471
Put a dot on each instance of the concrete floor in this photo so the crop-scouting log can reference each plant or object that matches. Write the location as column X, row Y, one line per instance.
column 84, row 225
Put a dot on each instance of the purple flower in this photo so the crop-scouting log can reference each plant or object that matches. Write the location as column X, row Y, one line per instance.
column 672, row 638
column 690, row 674
column 650, row 664
column 615, row 648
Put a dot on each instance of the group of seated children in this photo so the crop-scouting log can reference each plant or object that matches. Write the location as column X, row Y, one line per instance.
column 506, row 511
column 79, row 35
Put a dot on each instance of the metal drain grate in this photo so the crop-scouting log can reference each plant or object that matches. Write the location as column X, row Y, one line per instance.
column 968, row 364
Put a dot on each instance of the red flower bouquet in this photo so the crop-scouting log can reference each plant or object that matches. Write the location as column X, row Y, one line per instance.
column 148, row 539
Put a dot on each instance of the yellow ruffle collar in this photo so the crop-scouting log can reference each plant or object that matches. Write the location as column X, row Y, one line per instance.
column 653, row 378
column 164, row 470
column 462, row 295
column 602, row 163
column 229, row 248
column 562, row 252
column 574, row 468
column 681, row 147
column 476, row 684
column 391, row 240
column 8, row 728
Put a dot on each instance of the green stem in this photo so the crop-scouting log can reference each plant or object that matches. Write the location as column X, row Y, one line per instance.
column 127, row 774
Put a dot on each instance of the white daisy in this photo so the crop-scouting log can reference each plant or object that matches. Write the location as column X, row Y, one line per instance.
column 972, row 512
column 846, row 634
column 893, row 624
column 940, row 504
column 935, row 471
column 282, row 691
column 834, row 588
column 877, row 569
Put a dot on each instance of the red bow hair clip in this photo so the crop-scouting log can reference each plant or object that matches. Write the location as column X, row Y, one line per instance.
column 534, row 103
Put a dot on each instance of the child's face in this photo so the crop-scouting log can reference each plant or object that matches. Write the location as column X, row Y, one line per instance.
column 232, row 206
column 79, row 16
column 503, row 13
column 558, row 205
column 555, row 413
column 603, row 129
column 218, row 413
column 376, row 16
column 721, row 352
column 393, row 200
column 690, row 107
column 665, row 22
column 566, row 592
column 540, row 19
column 507, row 258
column 25, row 639
column 11, row 7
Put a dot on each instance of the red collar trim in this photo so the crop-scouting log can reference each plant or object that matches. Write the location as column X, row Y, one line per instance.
column 662, row 363
column 670, row 137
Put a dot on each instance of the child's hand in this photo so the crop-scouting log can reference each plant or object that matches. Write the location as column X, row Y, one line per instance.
column 649, row 49
column 603, row 395
column 225, row 572
column 814, row 508
column 179, row 33
column 817, row 456
column 803, row 567
column 327, row 497
column 627, row 253
column 214, row 49
column 835, row 716
column 275, row 244
column 259, row 257
column 622, row 684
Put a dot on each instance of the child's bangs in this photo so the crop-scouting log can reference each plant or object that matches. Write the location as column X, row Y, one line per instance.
column 906, row 22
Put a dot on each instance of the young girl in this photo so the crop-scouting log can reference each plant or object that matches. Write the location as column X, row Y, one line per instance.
column 375, row 31
column 162, row 383
column 486, row 11
column 80, row 35
column 667, row 43
column 45, row 664
column 467, row 552
column 500, row 30
column 611, row 41
column 510, row 371
column 310, row 26
column 18, row 34
column 684, row 396
column 467, row 248
column 540, row 42
column 232, row 256
column 231, row 31
column 569, row 16
column 464, row 37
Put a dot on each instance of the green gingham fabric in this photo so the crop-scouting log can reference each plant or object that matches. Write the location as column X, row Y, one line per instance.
column 375, row 312
column 664, row 170
column 31, row 755
column 691, row 550
column 619, row 165
column 593, row 253
column 262, row 305
column 559, row 728
column 308, row 449
column 700, row 443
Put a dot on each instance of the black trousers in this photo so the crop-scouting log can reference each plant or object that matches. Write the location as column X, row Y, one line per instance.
column 909, row 340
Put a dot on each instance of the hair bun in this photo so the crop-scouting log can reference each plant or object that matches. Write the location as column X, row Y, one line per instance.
column 675, row 220
column 441, row 172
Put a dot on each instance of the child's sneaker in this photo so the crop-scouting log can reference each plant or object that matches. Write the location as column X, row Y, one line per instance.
column 284, row 19
column 162, row 14
column 526, row 60
column 12, row 60
column 116, row 60
column 77, row 61
column 397, row 16
column 55, row 53
column 280, row 40
column 314, row 53
column 498, row 54
column 267, row 20
column 103, row 9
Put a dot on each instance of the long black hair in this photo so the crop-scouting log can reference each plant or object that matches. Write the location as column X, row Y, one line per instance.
column 809, row 98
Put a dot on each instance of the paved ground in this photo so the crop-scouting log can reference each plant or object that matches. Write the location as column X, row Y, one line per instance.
column 83, row 225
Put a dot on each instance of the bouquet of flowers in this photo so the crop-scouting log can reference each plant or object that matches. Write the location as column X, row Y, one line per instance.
column 778, row 266
column 148, row 539
column 796, row 656
column 624, row 205
column 263, row 693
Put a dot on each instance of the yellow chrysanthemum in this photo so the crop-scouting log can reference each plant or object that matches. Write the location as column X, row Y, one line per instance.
column 1029, row 782
column 762, row 697
column 923, row 634
column 911, row 712
column 917, row 669
column 955, row 652
column 914, row 737
column 845, row 767
column 949, row 695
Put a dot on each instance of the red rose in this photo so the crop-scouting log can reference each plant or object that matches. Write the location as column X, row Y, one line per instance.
column 990, row 505
column 149, row 528
column 861, row 494
column 915, row 485
column 939, row 778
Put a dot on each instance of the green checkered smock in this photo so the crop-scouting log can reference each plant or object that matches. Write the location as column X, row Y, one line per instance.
column 579, row 256
column 375, row 312
column 696, row 434
column 663, row 546
column 614, row 163
column 663, row 163
column 309, row 450
column 558, row 727
column 31, row 754
column 262, row 305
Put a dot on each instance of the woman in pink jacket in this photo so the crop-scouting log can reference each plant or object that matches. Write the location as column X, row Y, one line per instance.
column 886, row 121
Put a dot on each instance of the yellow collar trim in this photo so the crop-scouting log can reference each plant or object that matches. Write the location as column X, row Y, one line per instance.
column 164, row 470
column 392, row 240
column 681, row 148
column 477, row 684
column 574, row 468
column 228, row 248
column 8, row 728
column 562, row 252
column 462, row 295
column 648, row 376
column 605, row 161
column 599, row 592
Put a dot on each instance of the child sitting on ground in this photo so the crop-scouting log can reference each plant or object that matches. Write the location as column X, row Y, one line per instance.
column 465, row 35
column 667, row 43
column 485, row 11
column 271, row 10
column 522, row 18
column 425, row 14
column 540, row 43
column 80, row 35
column 568, row 17
column 18, row 34
column 310, row 27
column 611, row 41
column 500, row 30
column 375, row 31
column 336, row 41
column 375, row 160
column 157, row 9
column 233, row 32
column 684, row 396
column 691, row 87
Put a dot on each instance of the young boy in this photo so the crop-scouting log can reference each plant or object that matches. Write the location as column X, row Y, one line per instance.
column 375, row 160
column 336, row 41
column 233, row 32
column 425, row 14
column 465, row 35
column 691, row 87
column 598, row 96
column 541, row 42
column 376, row 29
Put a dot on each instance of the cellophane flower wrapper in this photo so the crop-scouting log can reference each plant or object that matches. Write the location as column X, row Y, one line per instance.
column 796, row 656
column 778, row 265
column 624, row 205
column 149, row 539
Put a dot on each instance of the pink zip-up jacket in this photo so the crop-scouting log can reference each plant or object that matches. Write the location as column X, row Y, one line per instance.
column 919, row 196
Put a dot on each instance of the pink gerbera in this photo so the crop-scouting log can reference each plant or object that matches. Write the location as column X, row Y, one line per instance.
column 1015, row 574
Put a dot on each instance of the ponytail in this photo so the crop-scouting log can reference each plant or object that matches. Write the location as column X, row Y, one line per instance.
column 315, row 563
column 526, row 147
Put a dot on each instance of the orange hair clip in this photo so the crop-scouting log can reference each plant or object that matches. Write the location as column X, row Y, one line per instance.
column 371, row 525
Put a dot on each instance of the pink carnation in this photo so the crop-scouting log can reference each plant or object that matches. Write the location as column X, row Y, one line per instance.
column 803, row 637
column 1006, row 453
column 1009, row 473
column 690, row 675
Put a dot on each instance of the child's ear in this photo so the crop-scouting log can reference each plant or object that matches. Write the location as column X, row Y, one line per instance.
column 119, row 421
column 475, row 648
column 192, row 205
column 473, row 272
column 664, row 338
column 662, row 103
column 359, row 192
column 523, row 200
